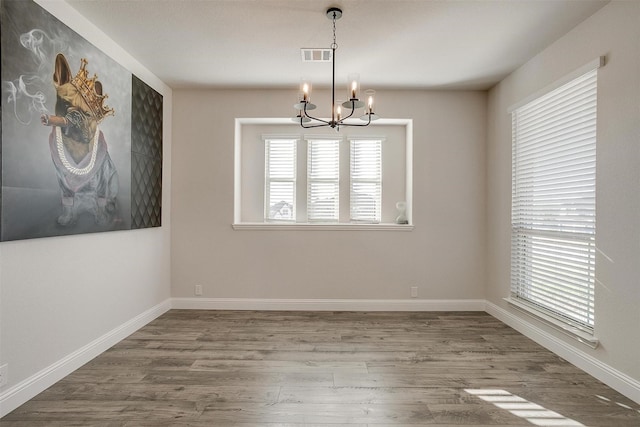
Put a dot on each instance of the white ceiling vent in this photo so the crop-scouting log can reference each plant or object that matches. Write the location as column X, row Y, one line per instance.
column 316, row 55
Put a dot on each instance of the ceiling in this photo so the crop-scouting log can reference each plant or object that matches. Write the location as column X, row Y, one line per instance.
column 400, row 44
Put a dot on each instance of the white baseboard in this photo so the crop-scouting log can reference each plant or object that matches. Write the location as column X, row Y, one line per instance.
column 37, row 383
column 615, row 379
column 327, row 304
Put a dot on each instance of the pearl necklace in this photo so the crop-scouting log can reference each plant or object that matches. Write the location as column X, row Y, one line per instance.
column 63, row 158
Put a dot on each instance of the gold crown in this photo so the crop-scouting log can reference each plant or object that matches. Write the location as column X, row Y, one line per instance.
column 86, row 88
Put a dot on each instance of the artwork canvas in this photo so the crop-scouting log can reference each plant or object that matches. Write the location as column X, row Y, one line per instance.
column 81, row 136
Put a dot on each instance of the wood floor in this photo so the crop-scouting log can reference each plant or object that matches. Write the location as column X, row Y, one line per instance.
column 206, row 368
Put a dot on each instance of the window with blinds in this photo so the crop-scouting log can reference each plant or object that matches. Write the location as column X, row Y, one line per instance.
column 366, row 180
column 323, row 180
column 280, row 179
column 553, row 203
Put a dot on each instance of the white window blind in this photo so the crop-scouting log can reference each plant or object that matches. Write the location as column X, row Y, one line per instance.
column 280, row 179
column 323, row 180
column 366, row 180
column 553, row 203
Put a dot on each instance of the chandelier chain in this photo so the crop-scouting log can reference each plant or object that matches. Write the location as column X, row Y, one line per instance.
column 334, row 46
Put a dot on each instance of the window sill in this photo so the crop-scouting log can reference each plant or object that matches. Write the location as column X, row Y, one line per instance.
column 322, row 227
column 577, row 334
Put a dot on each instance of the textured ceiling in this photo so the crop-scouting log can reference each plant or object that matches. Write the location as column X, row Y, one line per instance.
column 391, row 44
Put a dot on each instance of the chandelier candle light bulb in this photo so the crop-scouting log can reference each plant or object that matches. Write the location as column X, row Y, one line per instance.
column 305, row 92
column 369, row 115
column 354, row 80
column 298, row 106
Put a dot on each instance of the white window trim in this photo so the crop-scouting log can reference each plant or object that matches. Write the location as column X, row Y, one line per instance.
column 592, row 65
column 266, row 140
column 237, row 223
column 310, row 181
column 322, row 227
column 353, row 181
column 575, row 333
column 586, row 337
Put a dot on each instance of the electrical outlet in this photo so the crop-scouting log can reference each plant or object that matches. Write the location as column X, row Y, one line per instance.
column 414, row 292
column 198, row 290
column 4, row 374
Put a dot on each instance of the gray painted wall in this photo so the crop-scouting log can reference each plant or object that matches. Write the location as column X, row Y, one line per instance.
column 443, row 255
column 614, row 31
column 59, row 294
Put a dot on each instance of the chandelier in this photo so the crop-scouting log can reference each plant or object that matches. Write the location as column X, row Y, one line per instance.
column 338, row 117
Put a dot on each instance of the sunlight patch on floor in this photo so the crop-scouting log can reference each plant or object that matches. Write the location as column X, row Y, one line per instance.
column 622, row 405
column 532, row 412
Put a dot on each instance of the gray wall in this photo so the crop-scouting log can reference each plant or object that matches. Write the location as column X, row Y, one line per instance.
column 59, row 294
column 614, row 31
column 443, row 255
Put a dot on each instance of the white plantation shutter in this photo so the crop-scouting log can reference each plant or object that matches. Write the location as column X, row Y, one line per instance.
column 366, row 180
column 323, row 180
column 553, row 202
column 280, row 179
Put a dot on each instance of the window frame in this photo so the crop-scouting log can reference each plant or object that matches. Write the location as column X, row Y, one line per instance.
column 311, row 180
column 543, row 236
column 252, row 123
column 376, row 181
column 268, row 180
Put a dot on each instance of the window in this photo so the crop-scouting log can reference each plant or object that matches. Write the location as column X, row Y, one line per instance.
column 323, row 180
column 280, row 179
column 366, row 180
column 288, row 178
column 553, row 203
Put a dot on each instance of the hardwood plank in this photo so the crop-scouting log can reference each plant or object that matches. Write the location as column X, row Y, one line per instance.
column 375, row 395
column 271, row 366
column 200, row 423
column 243, row 368
column 65, row 423
column 161, row 392
column 248, row 379
column 90, row 411
column 319, row 413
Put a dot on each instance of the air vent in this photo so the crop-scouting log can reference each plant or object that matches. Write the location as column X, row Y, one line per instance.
column 316, row 55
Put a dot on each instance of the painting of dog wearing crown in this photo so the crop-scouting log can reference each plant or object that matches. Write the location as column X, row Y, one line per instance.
column 86, row 174
column 66, row 130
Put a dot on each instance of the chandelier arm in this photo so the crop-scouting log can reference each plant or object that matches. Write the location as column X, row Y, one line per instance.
column 325, row 122
column 316, row 125
column 356, row 125
column 353, row 124
column 369, row 122
column 318, row 120
column 353, row 110
column 312, row 118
